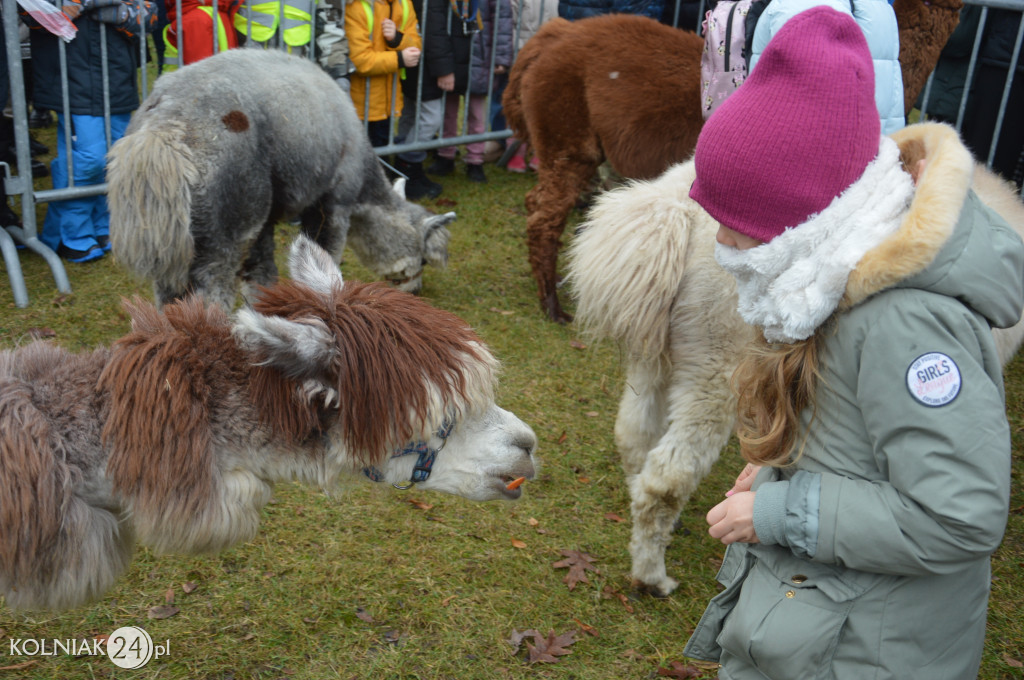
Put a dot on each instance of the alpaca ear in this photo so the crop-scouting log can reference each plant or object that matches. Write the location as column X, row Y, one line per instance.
column 300, row 349
column 399, row 187
column 310, row 264
column 435, row 241
column 438, row 221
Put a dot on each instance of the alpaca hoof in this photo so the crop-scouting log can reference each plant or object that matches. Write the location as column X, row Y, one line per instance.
column 659, row 590
column 553, row 310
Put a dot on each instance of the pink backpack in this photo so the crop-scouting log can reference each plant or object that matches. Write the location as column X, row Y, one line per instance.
column 728, row 29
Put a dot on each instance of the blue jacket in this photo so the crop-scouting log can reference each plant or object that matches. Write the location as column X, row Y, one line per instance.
column 878, row 21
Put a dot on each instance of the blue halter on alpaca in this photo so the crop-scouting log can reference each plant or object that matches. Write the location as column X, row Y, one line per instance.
column 424, row 461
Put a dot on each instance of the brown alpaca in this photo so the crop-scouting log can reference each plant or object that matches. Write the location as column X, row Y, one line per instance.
column 626, row 89
column 619, row 86
column 175, row 435
column 924, row 29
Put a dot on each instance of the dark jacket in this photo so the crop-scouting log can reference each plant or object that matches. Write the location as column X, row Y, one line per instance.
column 448, row 47
column 581, row 9
column 85, row 70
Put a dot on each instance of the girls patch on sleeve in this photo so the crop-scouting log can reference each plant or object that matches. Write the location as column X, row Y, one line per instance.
column 933, row 379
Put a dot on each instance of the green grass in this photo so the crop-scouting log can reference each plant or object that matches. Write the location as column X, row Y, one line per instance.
column 368, row 585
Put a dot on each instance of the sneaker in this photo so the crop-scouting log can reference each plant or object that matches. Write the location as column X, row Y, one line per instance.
column 475, row 173
column 80, row 256
column 442, row 166
column 104, row 243
column 516, row 164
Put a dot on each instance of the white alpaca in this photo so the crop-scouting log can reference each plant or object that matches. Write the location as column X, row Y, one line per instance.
column 643, row 271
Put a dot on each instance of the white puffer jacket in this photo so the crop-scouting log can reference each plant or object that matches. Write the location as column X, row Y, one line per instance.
column 878, row 21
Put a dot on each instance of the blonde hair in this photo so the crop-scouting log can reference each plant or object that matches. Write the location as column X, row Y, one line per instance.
column 774, row 384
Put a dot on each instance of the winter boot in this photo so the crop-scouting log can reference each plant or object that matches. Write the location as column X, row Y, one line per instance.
column 475, row 173
column 419, row 185
column 442, row 166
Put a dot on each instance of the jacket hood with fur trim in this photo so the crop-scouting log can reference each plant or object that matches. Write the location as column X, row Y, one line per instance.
column 937, row 246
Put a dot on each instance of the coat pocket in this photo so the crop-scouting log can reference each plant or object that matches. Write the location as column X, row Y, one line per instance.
column 789, row 618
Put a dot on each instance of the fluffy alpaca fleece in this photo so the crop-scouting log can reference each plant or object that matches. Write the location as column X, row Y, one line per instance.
column 644, row 274
column 224, row 149
column 175, row 435
column 924, row 28
column 638, row 109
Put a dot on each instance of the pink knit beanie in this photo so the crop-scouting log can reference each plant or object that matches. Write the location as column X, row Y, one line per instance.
column 799, row 131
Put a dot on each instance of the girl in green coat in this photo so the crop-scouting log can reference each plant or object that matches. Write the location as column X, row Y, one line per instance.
column 871, row 409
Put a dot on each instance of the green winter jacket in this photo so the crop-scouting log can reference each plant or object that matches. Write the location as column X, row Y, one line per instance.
column 875, row 545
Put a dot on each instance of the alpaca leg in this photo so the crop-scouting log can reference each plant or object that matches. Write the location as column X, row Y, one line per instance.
column 214, row 277
column 92, row 552
column 57, row 549
column 549, row 203
column 328, row 225
column 641, row 421
column 259, row 268
column 700, row 419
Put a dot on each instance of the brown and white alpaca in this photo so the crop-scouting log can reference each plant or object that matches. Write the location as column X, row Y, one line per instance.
column 174, row 436
column 644, row 274
column 626, row 89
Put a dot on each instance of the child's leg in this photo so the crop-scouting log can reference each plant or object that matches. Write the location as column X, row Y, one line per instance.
column 70, row 222
column 475, row 124
column 451, row 124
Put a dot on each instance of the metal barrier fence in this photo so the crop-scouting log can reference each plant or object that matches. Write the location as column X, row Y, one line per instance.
column 261, row 28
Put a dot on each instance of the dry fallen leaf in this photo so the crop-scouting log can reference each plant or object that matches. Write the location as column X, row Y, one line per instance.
column 579, row 563
column 680, row 671
column 189, row 587
column 589, row 630
column 562, row 437
column 364, row 615
column 550, row 648
column 1011, row 662
column 516, row 543
column 419, row 504
column 163, row 611
column 576, row 344
column 533, row 522
column 37, row 333
column 612, row 517
column 610, row 593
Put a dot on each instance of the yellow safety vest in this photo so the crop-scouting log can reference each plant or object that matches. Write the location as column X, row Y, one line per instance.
column 368, row 6
column 263, row 17
column 171, row 55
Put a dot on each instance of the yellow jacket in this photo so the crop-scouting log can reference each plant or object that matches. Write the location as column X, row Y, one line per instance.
column 375, row 62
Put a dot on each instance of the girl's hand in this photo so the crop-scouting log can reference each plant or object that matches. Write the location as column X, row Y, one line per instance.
column 387, row 27
column 447, row 83
column 745, row 480
column 732, row 520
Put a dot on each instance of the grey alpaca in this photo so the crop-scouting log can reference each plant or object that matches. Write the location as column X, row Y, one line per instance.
column 224, row 149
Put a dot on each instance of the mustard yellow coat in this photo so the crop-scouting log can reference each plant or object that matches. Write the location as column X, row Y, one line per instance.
column 375, row 62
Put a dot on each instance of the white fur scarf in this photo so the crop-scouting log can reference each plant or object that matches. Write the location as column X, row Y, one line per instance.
column 791, row 284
